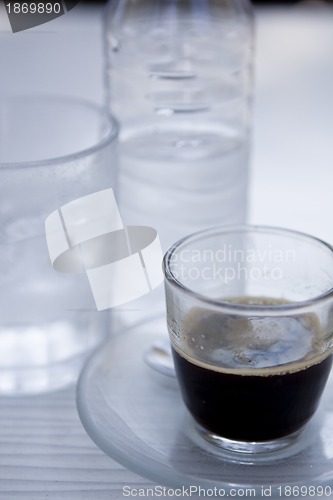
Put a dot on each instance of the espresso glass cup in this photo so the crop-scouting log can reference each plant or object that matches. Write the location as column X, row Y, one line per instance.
column 250, row 319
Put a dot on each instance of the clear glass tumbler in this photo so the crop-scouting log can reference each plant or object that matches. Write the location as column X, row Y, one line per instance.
column 52, row 151
column 250, row 318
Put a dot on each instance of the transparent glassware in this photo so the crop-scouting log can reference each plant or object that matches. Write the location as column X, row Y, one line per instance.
column 179, row 82
column 249, row 313
column 53, row 150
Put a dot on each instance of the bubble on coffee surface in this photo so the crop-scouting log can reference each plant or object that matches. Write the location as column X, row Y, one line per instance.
column 257, row 342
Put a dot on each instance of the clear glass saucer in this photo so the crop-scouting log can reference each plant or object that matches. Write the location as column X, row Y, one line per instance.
column 136, row 416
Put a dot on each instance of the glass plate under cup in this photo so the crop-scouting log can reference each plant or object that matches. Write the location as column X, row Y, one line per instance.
column 136, row 416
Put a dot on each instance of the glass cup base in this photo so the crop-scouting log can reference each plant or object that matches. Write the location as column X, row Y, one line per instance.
column 30, row 381
column 37, row 359
column 248, row 447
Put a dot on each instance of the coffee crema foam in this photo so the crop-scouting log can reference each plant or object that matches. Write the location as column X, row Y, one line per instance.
column 257, row 345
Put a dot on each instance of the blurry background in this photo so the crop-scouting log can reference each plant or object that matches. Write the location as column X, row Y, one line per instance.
column 292, row 167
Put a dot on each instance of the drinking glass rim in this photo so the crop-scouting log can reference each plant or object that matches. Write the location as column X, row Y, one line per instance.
column 53, row 98
column 246, row 309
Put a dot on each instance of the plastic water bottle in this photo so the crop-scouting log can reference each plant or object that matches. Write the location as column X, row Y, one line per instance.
column 179, row 82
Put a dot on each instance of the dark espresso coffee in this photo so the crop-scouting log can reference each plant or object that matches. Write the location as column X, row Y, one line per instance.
column 255, row 379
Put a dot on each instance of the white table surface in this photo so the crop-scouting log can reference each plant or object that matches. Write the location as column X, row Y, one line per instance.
column 44, row 451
